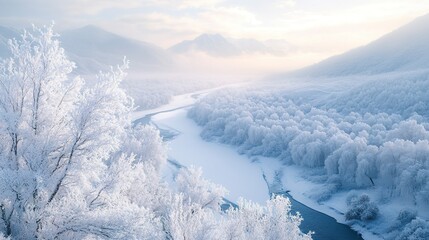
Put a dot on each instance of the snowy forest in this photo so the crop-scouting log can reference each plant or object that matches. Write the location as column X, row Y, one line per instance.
column 74, row 167
column 382, row 152
column 356, row 151
column 359, row 134
column 214, row 120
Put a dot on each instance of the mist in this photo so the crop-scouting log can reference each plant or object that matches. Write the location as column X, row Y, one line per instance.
column 214, row 119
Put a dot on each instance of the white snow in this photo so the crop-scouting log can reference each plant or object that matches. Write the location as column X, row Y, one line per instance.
column 404, row 49
column 220, row 163
column 300, row 189
column 183, row 100
column 177, row 102
column 248, row 181
column 223, row 165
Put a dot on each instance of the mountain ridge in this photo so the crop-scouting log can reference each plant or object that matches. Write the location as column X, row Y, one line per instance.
column 404, row 49
column 99, row 49
column 219, row 46
column 93, row 49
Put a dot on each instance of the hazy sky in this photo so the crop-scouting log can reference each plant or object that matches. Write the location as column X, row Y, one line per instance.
column 320, row 27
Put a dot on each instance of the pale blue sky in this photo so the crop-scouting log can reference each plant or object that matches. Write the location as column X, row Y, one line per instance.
column 321, row 27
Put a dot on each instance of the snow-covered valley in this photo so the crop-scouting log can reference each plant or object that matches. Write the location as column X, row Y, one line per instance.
column 214, row 120
column 253, row 178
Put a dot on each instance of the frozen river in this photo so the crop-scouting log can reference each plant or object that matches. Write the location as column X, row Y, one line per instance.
column 242, row 176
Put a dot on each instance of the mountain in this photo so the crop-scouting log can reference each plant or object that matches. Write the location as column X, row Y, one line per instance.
column 273, row 47
column 405, row 49
column 6, row 34
column 218, row 46
column 212, row 44
column 93, row 48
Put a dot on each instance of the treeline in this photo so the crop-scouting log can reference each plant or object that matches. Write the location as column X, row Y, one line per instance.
column 393, row 93
column 153, row 92
column 72, row 166
column 354, row 150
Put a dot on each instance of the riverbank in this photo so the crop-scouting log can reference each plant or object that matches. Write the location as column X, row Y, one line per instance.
column 241, row 175
column 300, row 189
column 215, row 159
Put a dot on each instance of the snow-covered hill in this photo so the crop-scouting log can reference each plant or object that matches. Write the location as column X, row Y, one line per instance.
column 212, row 44
column 218, row 46
column 152, row 79
column 274, row 47
column 405, row 49
column 93, row 48
column 6, row 34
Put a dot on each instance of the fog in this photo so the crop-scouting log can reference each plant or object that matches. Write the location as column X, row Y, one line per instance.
column 324, row 90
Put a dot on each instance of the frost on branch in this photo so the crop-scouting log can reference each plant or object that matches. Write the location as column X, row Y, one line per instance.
column 73, row 167
column 361, row 208
column 274, row 222
column 59, row 143
column 354, row 150
column 207, row 194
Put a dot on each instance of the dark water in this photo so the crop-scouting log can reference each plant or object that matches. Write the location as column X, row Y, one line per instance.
column 324, row 226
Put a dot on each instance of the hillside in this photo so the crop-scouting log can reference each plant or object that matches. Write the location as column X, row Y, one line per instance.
column 6, row 34
column 212, row 44
column 219, row 46
column 92, row 49
column 405, row 49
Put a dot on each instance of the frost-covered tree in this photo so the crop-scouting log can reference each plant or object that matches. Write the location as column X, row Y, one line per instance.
column 252, row 221
column 72, row 166
column 381, row 151
column 361, row 207
column 416, row 229
column 61, row 166
column 194, row 187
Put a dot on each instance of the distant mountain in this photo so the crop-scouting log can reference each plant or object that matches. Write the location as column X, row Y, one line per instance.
column 93, row 48
column 405, row 49
column 5, row 35
column 219, row 46
column 212, row 44
column 274, row 47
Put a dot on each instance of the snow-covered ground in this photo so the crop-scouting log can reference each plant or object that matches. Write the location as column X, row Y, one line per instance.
column 220, row 163
column 181, row 101
column 300, row 188
column 241, row 175
column 178, row 101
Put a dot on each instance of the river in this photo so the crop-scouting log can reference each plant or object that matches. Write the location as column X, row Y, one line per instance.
column 222, row 164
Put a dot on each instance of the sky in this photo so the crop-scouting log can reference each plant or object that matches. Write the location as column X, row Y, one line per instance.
column 317, row 28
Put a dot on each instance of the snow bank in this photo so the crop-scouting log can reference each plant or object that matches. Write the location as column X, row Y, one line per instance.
column 188, row 149
column 382, row 148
